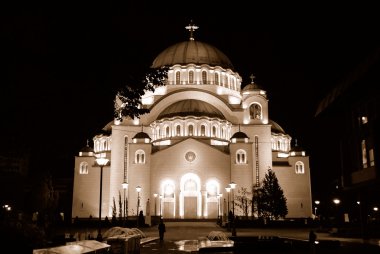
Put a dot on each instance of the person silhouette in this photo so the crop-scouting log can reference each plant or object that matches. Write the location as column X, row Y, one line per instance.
column 161, row 229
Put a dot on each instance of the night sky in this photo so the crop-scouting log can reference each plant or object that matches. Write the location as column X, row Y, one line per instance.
column 60, row 73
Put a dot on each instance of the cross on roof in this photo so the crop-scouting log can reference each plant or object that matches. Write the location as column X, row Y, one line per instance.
column 252, row 77
column 191, row 27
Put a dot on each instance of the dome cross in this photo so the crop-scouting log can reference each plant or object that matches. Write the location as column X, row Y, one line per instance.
column 191, row 27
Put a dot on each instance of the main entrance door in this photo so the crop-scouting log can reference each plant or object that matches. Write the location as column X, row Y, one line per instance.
column 190, row 198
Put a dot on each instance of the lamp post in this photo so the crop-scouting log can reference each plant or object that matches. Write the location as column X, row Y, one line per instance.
column 101, row 162
column 138, row 189
column 220, row 195
column 155, row 203
column 228, row 189
column 160, row 206
column 317, row 202
column 336, row 202
column 125, row 186
column 233, row 186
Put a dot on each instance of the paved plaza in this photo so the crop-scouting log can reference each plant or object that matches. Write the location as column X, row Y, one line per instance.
column 188, row 232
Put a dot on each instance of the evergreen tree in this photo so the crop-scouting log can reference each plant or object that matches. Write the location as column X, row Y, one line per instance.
column 114, row 209
column 120, row 207
column 272, row 201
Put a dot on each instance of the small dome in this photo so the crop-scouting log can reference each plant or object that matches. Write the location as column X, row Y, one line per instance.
column 192, row 52
column 87, row 149
column 191, row 108
column 239, row 135
column 251, row 87
column 276, row 128
column 141, row 135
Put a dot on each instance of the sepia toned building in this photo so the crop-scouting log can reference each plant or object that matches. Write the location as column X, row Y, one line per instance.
column 206, row 131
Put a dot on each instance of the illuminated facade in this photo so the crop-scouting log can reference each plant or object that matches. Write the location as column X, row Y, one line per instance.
column 203, row 132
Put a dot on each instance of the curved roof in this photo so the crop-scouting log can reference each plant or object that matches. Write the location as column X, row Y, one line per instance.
column 239, row 134
column 141, row 135
column 194, row 52
column 251, row 87
column 276, row 128
column 87, row 149
column 190, row 108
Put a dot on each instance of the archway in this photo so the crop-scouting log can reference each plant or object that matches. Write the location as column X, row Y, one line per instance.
column 190, row 196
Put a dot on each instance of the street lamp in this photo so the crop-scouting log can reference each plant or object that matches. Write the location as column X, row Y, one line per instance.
column 336, row 201
column 125, row 186
column 101, row 162
column 138, row 189
column 228, row 189
column 233, row 186
column 220, row 195
column 160, row 206
column 317, row 202
column 155, row 203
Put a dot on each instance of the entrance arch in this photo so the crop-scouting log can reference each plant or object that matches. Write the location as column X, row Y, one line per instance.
column 190, row 203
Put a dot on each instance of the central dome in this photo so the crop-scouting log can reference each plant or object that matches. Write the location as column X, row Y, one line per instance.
column 191, row 108
column 192, row 52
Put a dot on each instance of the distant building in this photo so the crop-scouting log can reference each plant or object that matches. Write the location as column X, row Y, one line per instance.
column 349, row 116
column 203, row 132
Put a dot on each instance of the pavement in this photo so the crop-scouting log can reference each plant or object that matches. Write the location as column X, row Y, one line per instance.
column 188, row 236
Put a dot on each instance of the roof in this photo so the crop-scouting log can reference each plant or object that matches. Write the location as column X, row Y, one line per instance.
column 141, row 135
column 192, row 52
column 190, row 108
column 239, row 134
column 276, row 128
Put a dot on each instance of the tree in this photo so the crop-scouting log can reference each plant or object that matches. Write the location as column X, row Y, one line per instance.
column 120, row 207
column 128, row 100
column 272, row 202
column 114, row 212
column 243, row 200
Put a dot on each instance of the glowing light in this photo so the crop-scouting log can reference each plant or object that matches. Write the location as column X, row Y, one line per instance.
column 136, row 121
column 282, row 155
column 246, row 121
column 265, row 121
column 102, row 161
column 317, row 202
column 358, row 202
column 336, row 201
column 375, row 208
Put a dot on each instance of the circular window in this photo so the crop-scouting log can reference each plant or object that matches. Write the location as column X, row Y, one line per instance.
column 190, row 156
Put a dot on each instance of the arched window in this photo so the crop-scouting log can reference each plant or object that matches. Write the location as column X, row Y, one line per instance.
column 190, row 185
column 241, row 157
column 204, row 77
column 300, row 168
column 169, row 191
column 191, row 130
column 158, row 133
column 226, row 81
column 255, row 111
column 203, row 130
column 178, row 130
column 140, row 157
column 216, row 78
column 214, row 131
column 167, row 131
column 178, row 78
column 191, row 77
column 83, row 168
column 223, row 135
column 212, row 189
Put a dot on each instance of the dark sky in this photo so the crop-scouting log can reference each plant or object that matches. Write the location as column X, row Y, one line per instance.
column 60, row 72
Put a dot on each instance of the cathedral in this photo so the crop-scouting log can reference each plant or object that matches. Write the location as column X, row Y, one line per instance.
column 204, row 140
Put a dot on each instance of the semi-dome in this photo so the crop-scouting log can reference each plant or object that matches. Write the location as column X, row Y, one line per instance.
column 239, row 135
column 192, row 52
column 141, row 135
column 276, row 128
column 191, row 108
